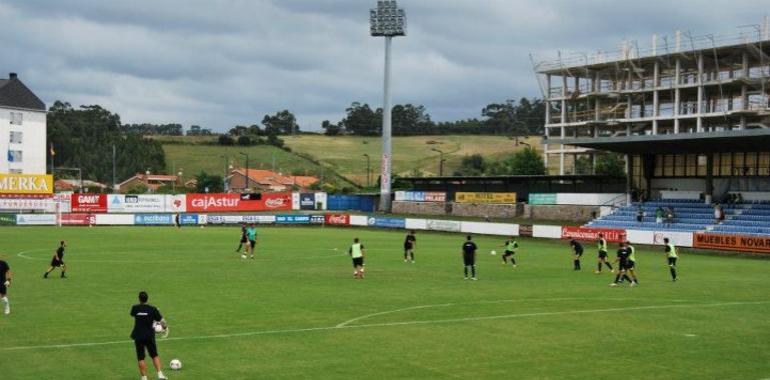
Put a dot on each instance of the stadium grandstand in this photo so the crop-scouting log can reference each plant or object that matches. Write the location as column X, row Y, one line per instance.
column 691, row 116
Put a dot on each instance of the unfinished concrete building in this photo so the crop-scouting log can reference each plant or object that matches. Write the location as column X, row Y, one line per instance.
column 688, row 113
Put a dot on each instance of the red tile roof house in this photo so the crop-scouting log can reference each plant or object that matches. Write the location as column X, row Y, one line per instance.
column 267, row 180
column 150, row 181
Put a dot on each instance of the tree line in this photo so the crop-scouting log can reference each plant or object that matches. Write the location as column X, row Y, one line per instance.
column 83, row 138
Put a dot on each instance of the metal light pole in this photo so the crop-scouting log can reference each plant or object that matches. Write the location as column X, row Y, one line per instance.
column 224, row 178
column 246, row 173
column 440, row 162
column 368, row 170
column 386, row 21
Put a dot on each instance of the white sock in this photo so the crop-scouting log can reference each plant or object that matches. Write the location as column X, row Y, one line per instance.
column 144, row 377
column 5, row 301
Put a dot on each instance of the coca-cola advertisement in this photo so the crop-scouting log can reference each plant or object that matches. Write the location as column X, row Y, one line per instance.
column 222, row 202
column 78, row 219
column 585, row 233
column 89, row 203
column 337, row 219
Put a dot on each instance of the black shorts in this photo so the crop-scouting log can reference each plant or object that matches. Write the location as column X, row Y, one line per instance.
column 602, row 254
column 508, row 253
column 469, row 260
column 408, row 247
column 672, row 261
column 252, row 243
column 244, row 240
column 579, row 254
column 358, row 262
column 629, row 265
column 57, row 262
column 3, row 289
column 149, row 345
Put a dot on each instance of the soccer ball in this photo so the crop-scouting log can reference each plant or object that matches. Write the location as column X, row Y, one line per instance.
column 493, row 253
column 175, row 364
column 158, row 327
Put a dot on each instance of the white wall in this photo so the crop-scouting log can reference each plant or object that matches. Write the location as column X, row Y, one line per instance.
column 33, row 144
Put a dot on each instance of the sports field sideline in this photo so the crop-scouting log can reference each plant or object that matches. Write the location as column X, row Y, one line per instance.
column 295, row 311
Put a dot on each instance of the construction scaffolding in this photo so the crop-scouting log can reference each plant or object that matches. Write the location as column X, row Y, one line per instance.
column 683, row 84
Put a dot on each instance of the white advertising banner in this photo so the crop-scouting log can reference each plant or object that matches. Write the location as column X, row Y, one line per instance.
column 295, row 201
column 64, row 200
column 114, row 219
column 359, row 220
column 36, row 219
column 545, row 231
column 321, row 198
column 176, row 203
column 443, row 225
column 416, row 224
column 490, row 228
column 682, row 239
column 120, row 203
column 28, row 204
column 238, row 219
column 589, row 199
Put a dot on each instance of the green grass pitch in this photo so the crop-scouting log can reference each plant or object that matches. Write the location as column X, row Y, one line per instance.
column 295, row 312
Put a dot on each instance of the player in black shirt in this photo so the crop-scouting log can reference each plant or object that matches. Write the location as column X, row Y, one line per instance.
column 577, row 251
column 469, row 257
column 58, row 261
column 244, row 239
column 143, row 334
column 5, row 282
column 409, row 243
column 622, row 262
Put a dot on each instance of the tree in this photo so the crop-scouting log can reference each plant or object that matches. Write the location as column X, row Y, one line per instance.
column 611, row 164
column 83, row 138
column 195, row 130
column 330, row 129
column 361, row 120
column 473, row 165
column 209, row 183
column 238, row 130
column 282, row 122
column 583, row 165
column 225, row 140
column 244, row 141
column 527, row 162
column 410, row 120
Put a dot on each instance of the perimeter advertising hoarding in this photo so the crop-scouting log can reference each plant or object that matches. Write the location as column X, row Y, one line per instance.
column 89, row 203
column 502, row 198
column 77, row 219
column 337, row 219
column 292, row 219
column 375, row 221
column 137, row 203
column 729, row 242
column 225, row 202
column 585, row 233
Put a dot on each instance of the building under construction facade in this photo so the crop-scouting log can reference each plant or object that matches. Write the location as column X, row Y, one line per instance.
column 688, row 113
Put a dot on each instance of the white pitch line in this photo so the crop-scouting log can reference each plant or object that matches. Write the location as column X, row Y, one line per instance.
column 23, row 255
column 390, row 324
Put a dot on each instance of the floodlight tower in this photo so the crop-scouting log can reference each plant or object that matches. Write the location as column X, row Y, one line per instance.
column 386, row 21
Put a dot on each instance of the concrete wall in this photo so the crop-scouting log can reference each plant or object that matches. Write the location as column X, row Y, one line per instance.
column 541, row 212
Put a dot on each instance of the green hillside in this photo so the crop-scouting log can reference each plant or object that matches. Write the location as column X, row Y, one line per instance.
column 340, row 154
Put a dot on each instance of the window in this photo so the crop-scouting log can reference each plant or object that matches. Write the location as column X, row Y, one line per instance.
column 16, row 137
column 16, row 171
column 17, row 118
column 14, row 156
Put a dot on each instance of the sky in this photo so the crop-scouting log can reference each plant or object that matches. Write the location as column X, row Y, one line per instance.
column 220, row 63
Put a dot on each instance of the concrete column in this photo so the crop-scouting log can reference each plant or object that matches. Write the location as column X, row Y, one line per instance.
column 744, row 87
column 678, row 68
column 548, row 100
column 709, row 191
column 629, row 170
column 655, row 98
column 700, row 94
column 563, row 120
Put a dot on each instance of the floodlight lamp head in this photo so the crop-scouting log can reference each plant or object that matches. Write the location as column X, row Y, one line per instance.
column 387, row 20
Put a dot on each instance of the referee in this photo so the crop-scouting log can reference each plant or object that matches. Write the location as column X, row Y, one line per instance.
column 58, row 261
column 144, row 335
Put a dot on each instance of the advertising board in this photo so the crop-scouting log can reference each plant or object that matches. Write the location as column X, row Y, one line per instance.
column 504, row 198
column 586, row 233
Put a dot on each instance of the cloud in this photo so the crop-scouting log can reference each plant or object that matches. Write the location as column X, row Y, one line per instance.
column 218, row 63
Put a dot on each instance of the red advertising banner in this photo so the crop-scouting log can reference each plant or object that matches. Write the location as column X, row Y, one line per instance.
column 337, row 219
column 732, row 242
column 78, row 219
column 432, row 196
column 222, row 202
column 89, row 203
column 586, row 233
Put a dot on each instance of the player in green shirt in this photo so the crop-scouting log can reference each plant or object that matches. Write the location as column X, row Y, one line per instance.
column 672, row 255
column 510, row 249
column 356, row 252
column 251, row 233
column 602, row 245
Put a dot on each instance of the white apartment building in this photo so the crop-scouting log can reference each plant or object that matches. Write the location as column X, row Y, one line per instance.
column 22, row 128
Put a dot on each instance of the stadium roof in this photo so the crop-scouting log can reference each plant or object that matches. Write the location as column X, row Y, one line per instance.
column 726, row 141
column 14, row 94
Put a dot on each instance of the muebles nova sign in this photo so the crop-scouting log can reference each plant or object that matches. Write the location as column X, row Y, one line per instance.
column 26, row 184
